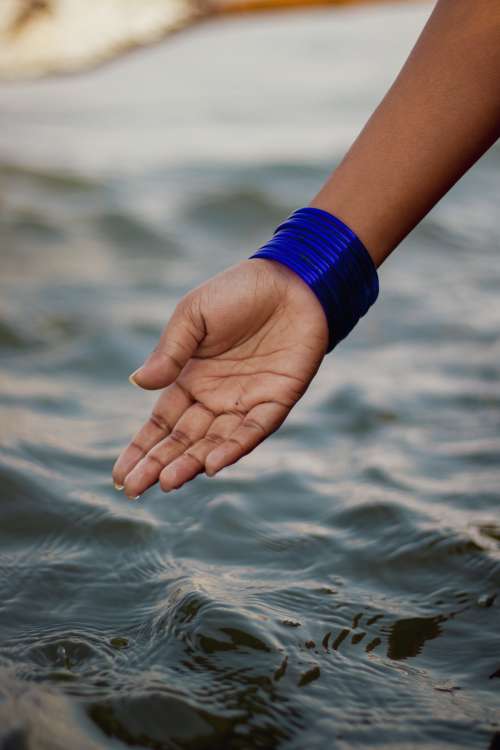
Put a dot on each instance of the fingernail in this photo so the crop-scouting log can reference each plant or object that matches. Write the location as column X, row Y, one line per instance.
column 131, row 379
column 134, row 498
column 117, row 486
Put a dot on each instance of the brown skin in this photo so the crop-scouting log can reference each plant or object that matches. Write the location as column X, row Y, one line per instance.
column 441, row 114
column 241, row 349
column 237, row 354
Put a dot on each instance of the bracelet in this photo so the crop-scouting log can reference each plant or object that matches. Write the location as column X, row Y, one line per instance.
column 333, row 262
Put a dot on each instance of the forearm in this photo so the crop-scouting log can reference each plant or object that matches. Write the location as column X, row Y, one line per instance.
column 441, row 114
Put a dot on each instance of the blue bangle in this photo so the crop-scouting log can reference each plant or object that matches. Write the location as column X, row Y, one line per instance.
column 332, row 260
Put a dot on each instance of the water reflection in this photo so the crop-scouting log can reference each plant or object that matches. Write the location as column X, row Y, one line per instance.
column 407, row 637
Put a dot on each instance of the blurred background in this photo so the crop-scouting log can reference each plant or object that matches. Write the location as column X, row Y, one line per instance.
column 338, row 587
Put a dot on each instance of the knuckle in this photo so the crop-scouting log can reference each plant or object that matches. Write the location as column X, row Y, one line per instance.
column 135, row 444
column 158, row 421
column 205, row 410
column 155, row 457
column 214, row 438
column 171, row 351
column 180, row 437
column 239, row 443
column 237, row 411
column 254, row 426
column 194, row 459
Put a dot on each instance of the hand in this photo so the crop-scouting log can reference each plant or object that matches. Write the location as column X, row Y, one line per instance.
column 237, row 354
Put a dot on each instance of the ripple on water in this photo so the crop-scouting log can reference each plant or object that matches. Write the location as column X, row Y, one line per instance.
column 229, row 213
column 130, row 234
column 339, row 587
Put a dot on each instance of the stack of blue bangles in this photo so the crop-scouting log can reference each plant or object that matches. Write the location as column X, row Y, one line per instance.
column 332, row 261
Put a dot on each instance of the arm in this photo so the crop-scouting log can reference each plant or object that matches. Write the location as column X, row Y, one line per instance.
column 241, row 349
column 441, row 114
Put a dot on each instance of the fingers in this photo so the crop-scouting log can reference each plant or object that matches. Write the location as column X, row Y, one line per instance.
column 177, row 345
column 196, row 441
column 191, row 427
column 170, row 406
column 260, row 422
column 192, row 461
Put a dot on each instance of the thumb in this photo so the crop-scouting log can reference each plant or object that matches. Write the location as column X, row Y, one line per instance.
column 178, row 343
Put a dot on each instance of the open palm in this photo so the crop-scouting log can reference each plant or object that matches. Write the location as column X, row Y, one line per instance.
column 237, row 354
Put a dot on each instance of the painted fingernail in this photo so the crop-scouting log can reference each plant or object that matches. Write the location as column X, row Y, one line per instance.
column 117, row 486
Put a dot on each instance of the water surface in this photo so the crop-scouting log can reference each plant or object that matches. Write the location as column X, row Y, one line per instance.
column 337, row 588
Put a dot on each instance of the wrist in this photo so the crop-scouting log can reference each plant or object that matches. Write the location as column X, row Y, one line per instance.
column 294, row 292
column 361, row 210
column 329, row 257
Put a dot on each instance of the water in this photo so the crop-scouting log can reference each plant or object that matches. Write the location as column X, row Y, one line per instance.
column 336, row 589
